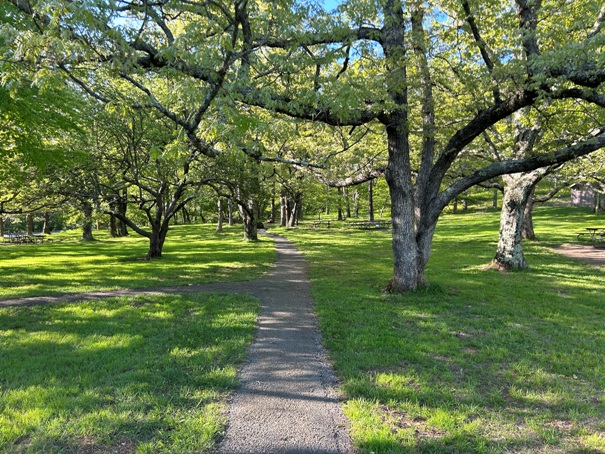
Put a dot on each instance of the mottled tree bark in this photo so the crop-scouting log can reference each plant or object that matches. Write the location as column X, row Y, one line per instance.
column 527, row 232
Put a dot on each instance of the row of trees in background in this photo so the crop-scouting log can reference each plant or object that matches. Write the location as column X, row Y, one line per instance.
column 237, row 96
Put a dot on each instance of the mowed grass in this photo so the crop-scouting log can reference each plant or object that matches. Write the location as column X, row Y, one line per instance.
column 193, row 254
column 148, row 374
column 480, row 362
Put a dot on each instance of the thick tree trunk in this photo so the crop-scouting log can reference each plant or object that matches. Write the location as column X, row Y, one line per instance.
column 509, row 254
column 1, row 226
column 249, row 214
column 408, row 265
column 219, row 225
column 30, row 224
column 156, row 241
column 294, row 210
column 527, row 232
column 87, row 222
column 408, row 270
column 122, row 207
column 46, row 228
column 117, row 228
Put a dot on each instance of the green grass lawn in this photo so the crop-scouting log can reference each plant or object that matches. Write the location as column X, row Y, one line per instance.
column 192, row 254
column 148, row 374
column 480, row 361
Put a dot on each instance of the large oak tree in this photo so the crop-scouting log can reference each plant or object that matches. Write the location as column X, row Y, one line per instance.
column 433, row 75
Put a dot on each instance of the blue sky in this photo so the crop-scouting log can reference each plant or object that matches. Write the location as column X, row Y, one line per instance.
column 331, row 4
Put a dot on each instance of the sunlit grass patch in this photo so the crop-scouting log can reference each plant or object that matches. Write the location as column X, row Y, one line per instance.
column 480, row 361
column 193, row 254
column 146, row 374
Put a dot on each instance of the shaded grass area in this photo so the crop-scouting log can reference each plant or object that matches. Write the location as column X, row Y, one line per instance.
column 147, row 374
column 480, row 361
column 193, row 254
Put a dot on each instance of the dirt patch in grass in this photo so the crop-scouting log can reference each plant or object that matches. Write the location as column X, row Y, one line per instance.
column 584, row 253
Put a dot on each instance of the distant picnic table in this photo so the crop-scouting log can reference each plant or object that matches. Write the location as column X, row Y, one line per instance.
column 316, row 224
column 369, row 225
column 595, row 235
column 18, row 238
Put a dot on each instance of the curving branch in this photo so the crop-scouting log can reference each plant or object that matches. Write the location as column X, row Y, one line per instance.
column 522, row 165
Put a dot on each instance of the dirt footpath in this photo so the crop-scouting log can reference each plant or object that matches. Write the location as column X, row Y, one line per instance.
column 287, row 401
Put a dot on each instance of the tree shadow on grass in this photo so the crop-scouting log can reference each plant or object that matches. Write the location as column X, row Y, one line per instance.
column 133, row 371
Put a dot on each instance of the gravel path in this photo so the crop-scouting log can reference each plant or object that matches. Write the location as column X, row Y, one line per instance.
column 287, row 401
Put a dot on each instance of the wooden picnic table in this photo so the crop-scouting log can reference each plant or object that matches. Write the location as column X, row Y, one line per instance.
column 595, row 235
column 369, row 225
column 316, row 224
column 25, row 239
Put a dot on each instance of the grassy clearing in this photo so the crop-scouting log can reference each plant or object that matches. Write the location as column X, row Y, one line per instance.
column 192, row 254
column 479, row 362
column 145, row 374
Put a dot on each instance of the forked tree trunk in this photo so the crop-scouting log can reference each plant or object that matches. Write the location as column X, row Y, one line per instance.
column 46, row 228
column 156, row 241
column 295, row 207
column 408, row 266
column 117, row 228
